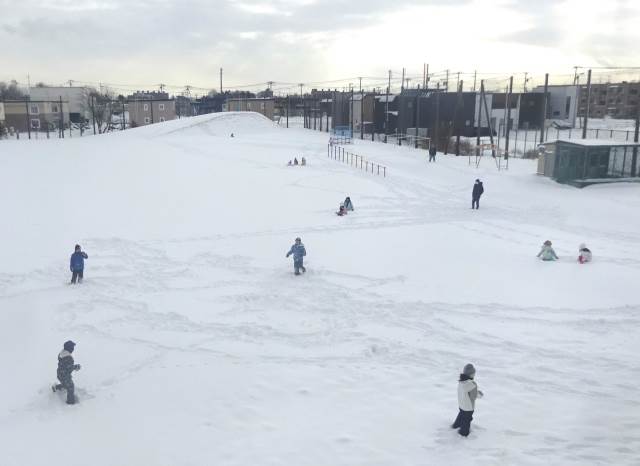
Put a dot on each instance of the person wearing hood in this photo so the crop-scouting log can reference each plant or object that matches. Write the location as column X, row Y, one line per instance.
column 341, row 211
column 467, row 394
column 584, row 254
column 348, row 204
column 547, row 253
column 298, row 252
column 66, row 366
column 76, row 264
column 477, row 191
column 303, row 161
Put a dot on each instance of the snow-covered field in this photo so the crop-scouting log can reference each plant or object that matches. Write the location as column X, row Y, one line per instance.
column 200, row 347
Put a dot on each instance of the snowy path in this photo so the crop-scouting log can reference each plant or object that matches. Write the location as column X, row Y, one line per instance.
column 199, row 346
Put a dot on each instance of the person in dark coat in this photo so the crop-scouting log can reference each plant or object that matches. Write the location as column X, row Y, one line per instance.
column 348, row 204
column 341, row 211
column 432, row 153
column 298, row 252
column 66, row 366
column 76, row 264
column 478, row 189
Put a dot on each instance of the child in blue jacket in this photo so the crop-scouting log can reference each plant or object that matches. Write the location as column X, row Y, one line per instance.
column 298, row 252
column 76, row 264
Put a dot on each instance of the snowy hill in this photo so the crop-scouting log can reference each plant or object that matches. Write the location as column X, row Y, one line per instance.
column 199, row 346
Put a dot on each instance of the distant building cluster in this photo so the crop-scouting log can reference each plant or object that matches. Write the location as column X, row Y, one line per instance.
column 412, row 111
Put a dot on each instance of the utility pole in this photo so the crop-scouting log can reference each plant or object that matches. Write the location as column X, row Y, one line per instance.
column 26, row 106
column 575, row 75
column 456, row 123
column 360, row 79
column 524, row 86
column 506, row 142
column 475, row 75
column 386, row 110
column 586, row 115
column 544, row 107
column 62, row 120
column 161, row 86
column 479, row 113
column 70, row 82
column 636, row 136
column 301, row 84
column 220, row 80
column 402, row 84
column 437, row 128
column 426, row 78
column 424, row 75
column 458, row 81
column 447, row 83
column 93, row 115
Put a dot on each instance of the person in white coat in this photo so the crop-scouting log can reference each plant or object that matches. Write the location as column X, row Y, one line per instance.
column 584, row 254
column 467, row 394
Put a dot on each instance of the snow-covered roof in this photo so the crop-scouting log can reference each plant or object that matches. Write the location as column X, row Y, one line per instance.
column 383, row 98
column 594, row 142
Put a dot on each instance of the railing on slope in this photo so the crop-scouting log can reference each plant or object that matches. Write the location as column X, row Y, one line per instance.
column 337, row 152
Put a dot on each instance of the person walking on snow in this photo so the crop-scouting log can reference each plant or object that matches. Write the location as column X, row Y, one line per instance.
column 547, row 253
column 432, row 153
column 584, row 254
column 478, row 189
column 467, row 394
column 66, row 366
column 348, row 204
column 76, row 264
column 298, row 252
column 341, row 211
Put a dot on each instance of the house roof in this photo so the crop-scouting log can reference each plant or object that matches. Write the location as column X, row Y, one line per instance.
column 594, row 142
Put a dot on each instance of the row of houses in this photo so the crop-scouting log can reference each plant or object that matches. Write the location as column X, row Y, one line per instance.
column 54, row 107
column 49, row 108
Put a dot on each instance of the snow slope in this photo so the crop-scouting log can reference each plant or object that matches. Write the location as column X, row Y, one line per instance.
column 199, row 346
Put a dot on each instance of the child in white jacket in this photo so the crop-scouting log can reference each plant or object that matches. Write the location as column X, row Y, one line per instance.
column 584, row 254
column 467, row 394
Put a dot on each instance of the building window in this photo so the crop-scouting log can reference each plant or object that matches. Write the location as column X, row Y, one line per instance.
column 262, row 106
column 248, row 105
column 35, row 123
column 161, row 107
column 54, row 108
column 33, row 109
column 147, row 120
column 161, row 119
column 146, row 107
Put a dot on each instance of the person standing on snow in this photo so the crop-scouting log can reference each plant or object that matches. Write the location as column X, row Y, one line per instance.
column 467, row 394
column 348, row 204
column 66, row 366
column 478, row 189
column 298, row 252
column 76, row 264
column 584, row 254
column 432, row 153
column 547, row 253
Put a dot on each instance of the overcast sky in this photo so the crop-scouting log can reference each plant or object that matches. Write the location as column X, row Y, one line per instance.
column 179, row 42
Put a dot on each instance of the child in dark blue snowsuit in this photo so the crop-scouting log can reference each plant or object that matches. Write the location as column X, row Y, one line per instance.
column 298, row 252
column 76, row 264
column 66, row 366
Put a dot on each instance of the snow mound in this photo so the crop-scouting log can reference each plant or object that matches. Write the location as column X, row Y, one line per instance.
column 213, row 124
column 199, row 346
